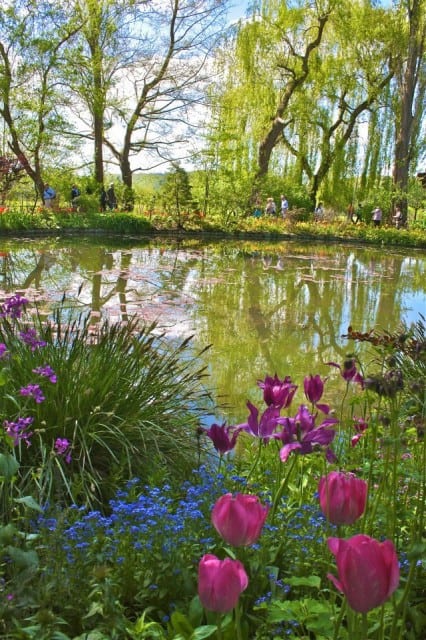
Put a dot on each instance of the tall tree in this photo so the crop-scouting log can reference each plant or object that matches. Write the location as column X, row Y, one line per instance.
column 95, row 61
column 316, row 71
column 30, row 99
column 410, row 92
column 165, row 83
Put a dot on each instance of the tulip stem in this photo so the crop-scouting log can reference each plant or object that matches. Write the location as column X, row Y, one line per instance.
column 238, row 623
column 339, row 621
column 364, row 627
column 281, row 488
column 219, row 627
column 259, row 451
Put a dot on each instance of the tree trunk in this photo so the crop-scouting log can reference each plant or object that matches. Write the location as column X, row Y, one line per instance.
column 296, row 80
column 408, row 79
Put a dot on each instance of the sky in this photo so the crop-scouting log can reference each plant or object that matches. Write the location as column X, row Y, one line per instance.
column 238, row 10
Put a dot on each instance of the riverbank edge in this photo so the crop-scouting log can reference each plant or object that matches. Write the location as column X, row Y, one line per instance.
column 214, row 234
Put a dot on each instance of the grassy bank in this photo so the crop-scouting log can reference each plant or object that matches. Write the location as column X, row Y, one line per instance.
column 46, row 221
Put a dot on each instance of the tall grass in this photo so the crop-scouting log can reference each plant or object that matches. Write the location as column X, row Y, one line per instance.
column 125, row 399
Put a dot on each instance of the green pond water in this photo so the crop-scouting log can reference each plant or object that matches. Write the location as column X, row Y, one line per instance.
column 265, row 307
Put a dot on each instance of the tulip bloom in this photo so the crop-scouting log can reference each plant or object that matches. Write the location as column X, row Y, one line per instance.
column 263, row 428
column 314, row 388
column 220, row 583
column 360, row 426
column 276, row 392
column 349, row 371
column 342, row 497
column 239, row 520
column 220, row 436
column 368, row 570
column 301, row 434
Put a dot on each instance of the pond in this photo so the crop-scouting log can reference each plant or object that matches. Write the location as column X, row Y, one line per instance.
column 265, row 307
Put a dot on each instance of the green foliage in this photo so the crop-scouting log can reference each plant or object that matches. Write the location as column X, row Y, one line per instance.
column 176, row 195
column 132, row 573
column 125, row 400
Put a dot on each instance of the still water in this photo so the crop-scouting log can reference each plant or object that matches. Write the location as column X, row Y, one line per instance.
column 265, row 307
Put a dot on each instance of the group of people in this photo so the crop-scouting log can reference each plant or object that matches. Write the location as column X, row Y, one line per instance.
column 107, row 199
column 271, row 208
column 376, row 215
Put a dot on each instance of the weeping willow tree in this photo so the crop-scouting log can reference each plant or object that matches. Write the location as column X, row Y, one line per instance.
column 301, row 81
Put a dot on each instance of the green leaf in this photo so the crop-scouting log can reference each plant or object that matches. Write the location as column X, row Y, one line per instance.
column 309, row 581
column 29, row 501
column 8, row 465
column 22, row 559
column 3, row 377
column 206, row 631
column 7, row 534
column 181, row 624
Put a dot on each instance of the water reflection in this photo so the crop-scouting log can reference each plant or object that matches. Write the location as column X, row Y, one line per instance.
column 264, row 307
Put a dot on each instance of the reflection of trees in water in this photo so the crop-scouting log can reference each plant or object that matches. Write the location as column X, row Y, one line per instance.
column 263, row 312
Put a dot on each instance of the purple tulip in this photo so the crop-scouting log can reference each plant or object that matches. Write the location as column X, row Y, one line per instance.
column 360, row 426
column 263, row 428
column 220, row 583
column 301, row 434
column 349, row 371
column 368, row 570
column 239, row 520
column 314, row 388
column 219, row 435
column 276, row 392
column 342, row 497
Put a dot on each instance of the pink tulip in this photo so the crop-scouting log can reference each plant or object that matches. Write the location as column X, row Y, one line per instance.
column 220, row 583
column 342, row 497
column 368, row 570
column 239, row 520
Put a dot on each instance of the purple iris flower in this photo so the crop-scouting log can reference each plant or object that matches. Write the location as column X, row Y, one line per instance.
column 3, row 350
column 18, row 430
column 276, row 392
column 349, row 371
column 13, row 306
column 30, row 338
column 220, row 436
column 63, row 448
column 300, row 434
column 33, row 391
column 46, row 372
column 263, row 428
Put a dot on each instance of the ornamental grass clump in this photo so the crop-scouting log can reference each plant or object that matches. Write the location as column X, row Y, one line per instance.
column 126, row 402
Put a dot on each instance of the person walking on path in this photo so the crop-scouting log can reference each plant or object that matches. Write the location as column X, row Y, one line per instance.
column 284, row 207
column 319, row 212
column 397, row 218
column 49, row 195
column 377, row 217
column 270, row 209
column 111, row 197
column 75, row 193
column 103, row 199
